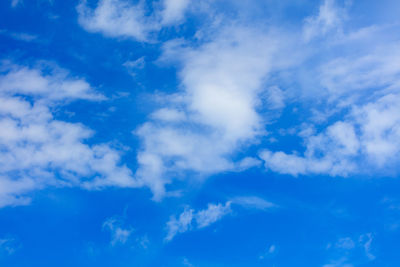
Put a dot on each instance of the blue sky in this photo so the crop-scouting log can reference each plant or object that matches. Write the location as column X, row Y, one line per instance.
column 199, row 133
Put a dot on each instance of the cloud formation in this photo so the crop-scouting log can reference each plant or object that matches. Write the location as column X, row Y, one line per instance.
column 202, row 218
column 38, row 150
column 190, row 219
column 121, row 18
column 215, row 114
column 119, row 234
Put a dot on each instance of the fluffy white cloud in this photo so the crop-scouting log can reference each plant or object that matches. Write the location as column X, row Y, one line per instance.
column 122, row 18
column 216, row 114
column 363, row 85
column 368, row 140
column 47, row 82
column 225, row 91
column 116, row 18
column 38, row 150
column 174, row 11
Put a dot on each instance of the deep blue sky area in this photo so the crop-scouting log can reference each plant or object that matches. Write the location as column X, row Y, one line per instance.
column 199, row 133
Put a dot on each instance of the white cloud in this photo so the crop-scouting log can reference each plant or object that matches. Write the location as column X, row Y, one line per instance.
column 329, row 19
column 134, row 65
column 358, row 90
column 376, row 68
column 213, row 213
column 216, row 113
column 38, row 150
column 203, row 218
column 367, row 141
column 275, row 98
column 121, row 18
column 339, row 263
column 168, row 115
column 117, row 18
column 119, row 234
column 366, row 241
column 180, row 225
column 174, row 11
column 191, row 219
column 347, row 249
column 252, row 202
column 58, row 84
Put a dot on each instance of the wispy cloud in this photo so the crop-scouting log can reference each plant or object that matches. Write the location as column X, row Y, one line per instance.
column 15, row 3
column 191, row 219
column 202, row 218
column 328, row 20
column 119, row 233
column 8, row 246
column 345, row 251
column 21, row 36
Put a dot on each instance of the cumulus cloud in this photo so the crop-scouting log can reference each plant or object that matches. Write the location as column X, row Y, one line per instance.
column 358, row 122
column 223, row 78
column 38, row 150
column 45, row 82
column 122, row 18
column 116, row 18
column 215, row 114
column 367, row 141
column 174, row 11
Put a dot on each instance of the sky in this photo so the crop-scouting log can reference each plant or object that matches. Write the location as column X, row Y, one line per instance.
column 199, row 133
